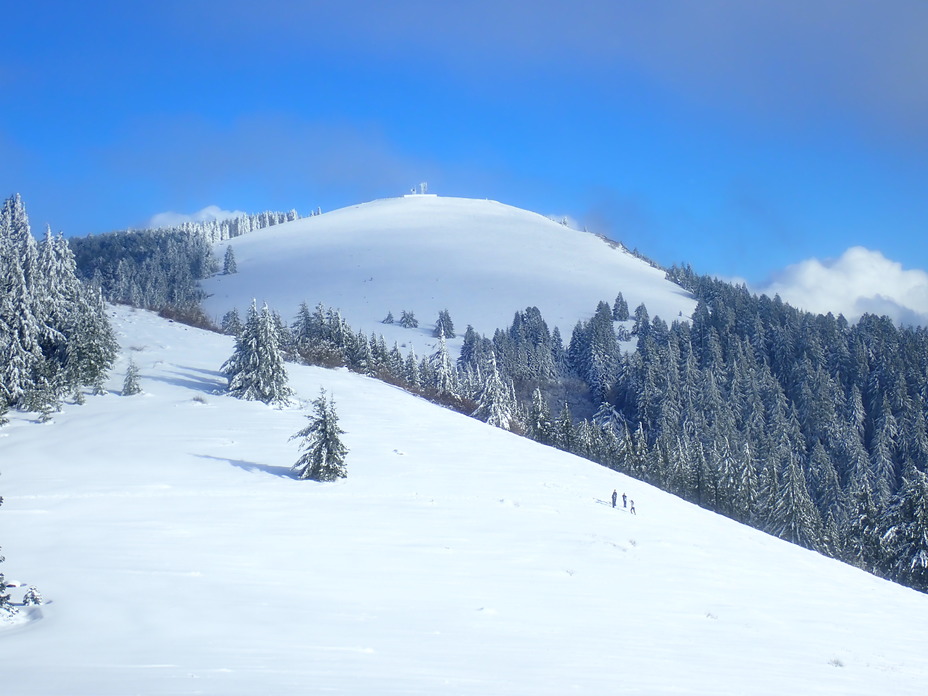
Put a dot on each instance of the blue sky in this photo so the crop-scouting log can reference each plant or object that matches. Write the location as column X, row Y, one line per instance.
column 743, row 138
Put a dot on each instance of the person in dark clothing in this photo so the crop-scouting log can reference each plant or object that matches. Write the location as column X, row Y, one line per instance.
column 614, row 496
column 624, row 501
column 632, row 509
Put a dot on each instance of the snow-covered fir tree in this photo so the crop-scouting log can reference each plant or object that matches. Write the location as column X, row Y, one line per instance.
column 443, row 372
column 540, row 426
column 93, row 347
column 563, row 434
column 443, row 325
column 408, row 320
column 130, row 385
column 228, row 262
column 21, row 361
column 905, row 534
column 33, row 597
column 620, row 309
column 54, row 334
column 495, row 405
column 324, row 454
column 411, row 369
column 231, row 323
column 256, row 370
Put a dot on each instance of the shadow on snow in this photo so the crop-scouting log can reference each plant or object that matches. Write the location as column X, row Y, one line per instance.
column 251, row 467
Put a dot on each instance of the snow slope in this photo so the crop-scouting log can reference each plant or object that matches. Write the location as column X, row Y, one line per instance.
column 180, row 558
column 480, row 260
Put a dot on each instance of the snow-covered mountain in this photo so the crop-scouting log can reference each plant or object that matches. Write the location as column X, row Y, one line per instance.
column 178, row 555
column 480, row 260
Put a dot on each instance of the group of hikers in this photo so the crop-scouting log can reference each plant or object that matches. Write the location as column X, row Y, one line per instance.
column 625, row 501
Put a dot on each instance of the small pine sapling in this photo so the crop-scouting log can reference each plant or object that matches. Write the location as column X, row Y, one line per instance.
column 131, row 384
column 324, row 454
column 32, row 597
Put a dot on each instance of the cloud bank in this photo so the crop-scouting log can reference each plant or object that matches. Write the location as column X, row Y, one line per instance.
column 859, row 281
column 207, row 214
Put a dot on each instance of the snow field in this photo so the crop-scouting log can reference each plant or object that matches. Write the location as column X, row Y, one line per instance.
column 179, row 557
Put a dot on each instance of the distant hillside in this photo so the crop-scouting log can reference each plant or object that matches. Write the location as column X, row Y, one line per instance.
column 481, row 260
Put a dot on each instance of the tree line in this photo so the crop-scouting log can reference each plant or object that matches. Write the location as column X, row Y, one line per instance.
column 801, row 425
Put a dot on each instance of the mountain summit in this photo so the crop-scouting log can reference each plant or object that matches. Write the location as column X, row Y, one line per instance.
column 479, row 259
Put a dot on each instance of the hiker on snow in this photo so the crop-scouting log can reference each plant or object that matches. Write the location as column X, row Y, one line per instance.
column 614, row 496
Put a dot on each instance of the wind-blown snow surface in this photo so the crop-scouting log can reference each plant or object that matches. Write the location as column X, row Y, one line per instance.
column 480, row 260
column 179, row 557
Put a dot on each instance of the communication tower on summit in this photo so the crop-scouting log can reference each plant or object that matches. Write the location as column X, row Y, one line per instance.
column 420, row 190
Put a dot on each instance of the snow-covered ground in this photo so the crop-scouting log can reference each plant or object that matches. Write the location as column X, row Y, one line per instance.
column 480, row 260
column 178, row 557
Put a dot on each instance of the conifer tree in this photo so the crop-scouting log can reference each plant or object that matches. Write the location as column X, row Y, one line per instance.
column 231, row 323
column 795, row 518
column 53, row 336
column 323, row 457
column 21, row 359
column 408, row 320
column 494, row 405
column 470, row 348
column 411, row 369
column 92, row 348
column 395, row 366
column 620, row 309
column 228, row 263
column 862, row 534
column 558, row 354
column 642, row 320
column 256, row 369
column 564, row 436
column 32, row 597
column 130, row 385
column 445, row 379
column 361, row 358
column 444, row 326
column 905, row 535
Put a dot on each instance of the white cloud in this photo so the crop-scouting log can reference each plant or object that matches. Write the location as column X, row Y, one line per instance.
column 859, row 281
column 210, row 212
